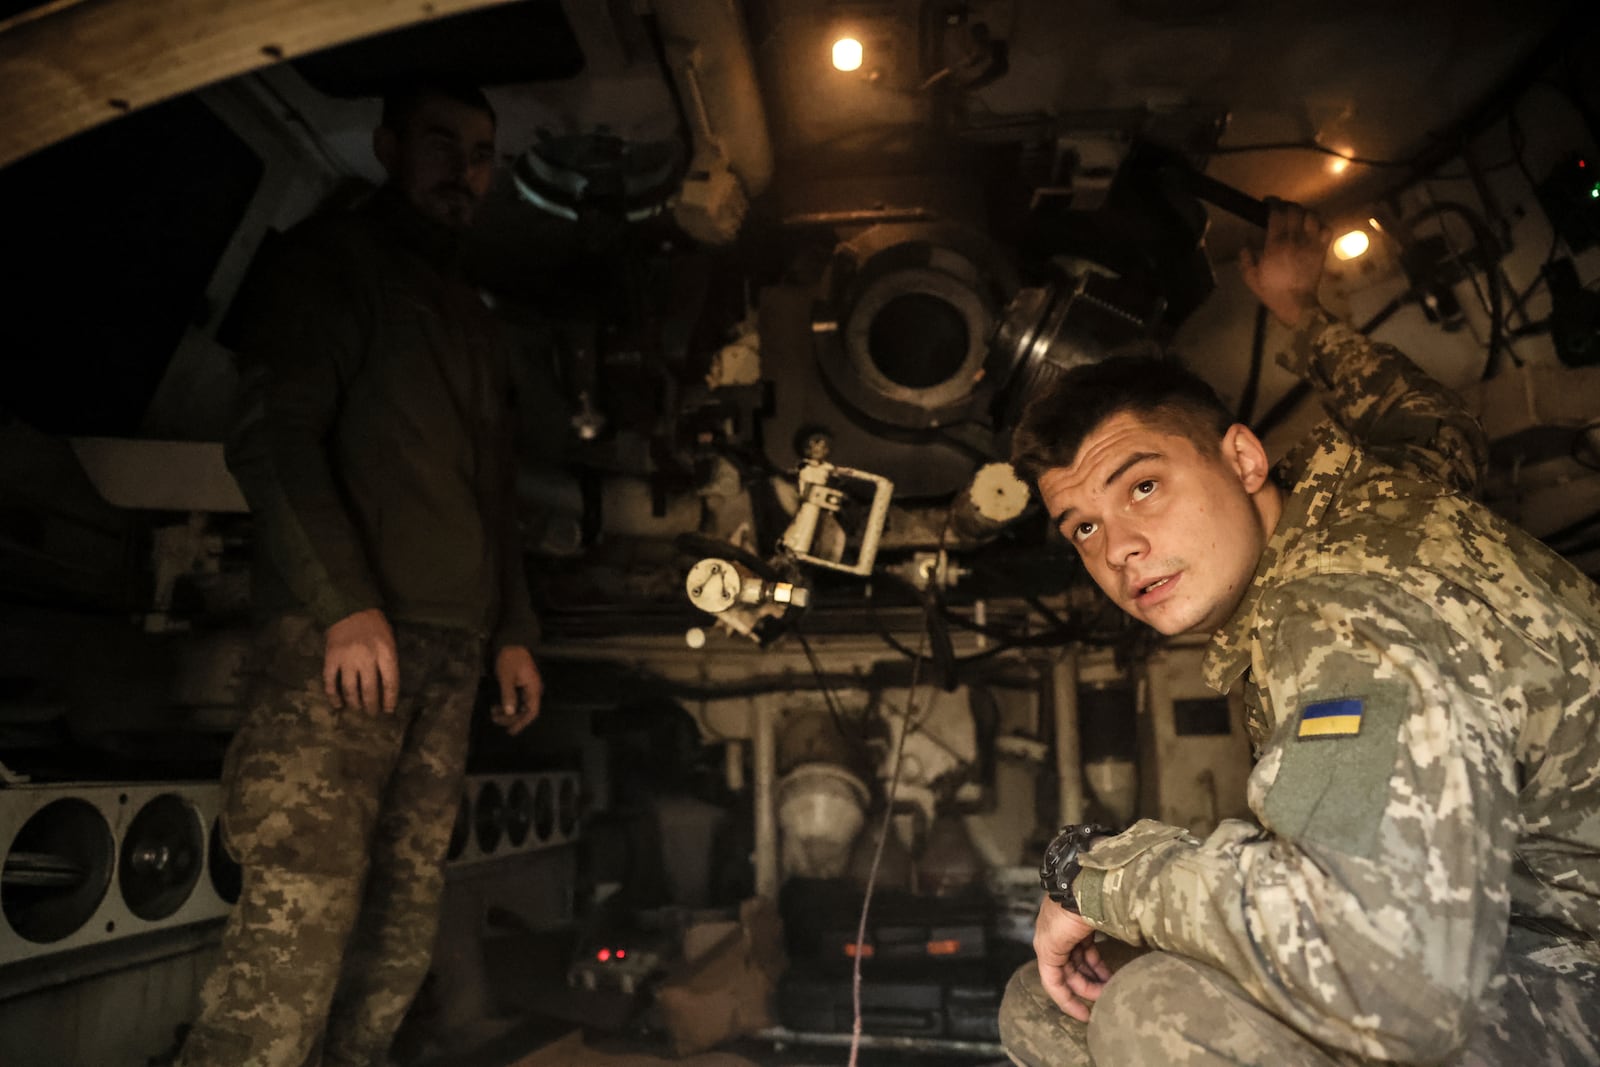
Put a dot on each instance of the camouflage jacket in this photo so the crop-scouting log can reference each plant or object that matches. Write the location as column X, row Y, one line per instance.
column 1424, row 680
column 373, row 436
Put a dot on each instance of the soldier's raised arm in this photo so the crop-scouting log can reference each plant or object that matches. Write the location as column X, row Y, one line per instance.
column 1372, row 390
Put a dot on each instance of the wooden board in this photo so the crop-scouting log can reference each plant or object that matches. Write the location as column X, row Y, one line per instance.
column 72, row 65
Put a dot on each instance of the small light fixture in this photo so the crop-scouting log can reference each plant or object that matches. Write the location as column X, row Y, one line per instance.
column 847, row 54
column 1351, row 245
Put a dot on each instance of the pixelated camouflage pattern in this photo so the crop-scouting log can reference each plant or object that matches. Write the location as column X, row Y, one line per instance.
column 1165, row 1009
column 1036, row 1033
column 341, row 820
column 1370, row 908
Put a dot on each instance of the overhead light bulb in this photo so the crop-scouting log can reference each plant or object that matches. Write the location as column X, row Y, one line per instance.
column 1351, row 244
column 847, row 54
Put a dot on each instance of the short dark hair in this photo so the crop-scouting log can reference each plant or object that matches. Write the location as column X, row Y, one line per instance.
column 1073, row 406
column 402, row 101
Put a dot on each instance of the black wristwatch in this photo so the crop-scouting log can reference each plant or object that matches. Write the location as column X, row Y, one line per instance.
column 1061, row 866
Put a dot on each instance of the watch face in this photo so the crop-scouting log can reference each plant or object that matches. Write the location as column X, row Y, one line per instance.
column 713, row 585
column 1061, row 865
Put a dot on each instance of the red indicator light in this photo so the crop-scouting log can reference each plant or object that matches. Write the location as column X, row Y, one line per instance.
column 603, row 955
column 948, row 947
column 1582, row 163
column 850, row 950
column 622, row 954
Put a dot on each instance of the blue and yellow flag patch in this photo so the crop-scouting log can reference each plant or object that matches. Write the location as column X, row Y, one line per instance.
column 1331, row 718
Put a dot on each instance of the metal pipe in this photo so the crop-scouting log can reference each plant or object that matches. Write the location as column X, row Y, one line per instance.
column 780, row 1035
column 993, row 500
column 766, row 773
column 1069, row 750
column 721, row 78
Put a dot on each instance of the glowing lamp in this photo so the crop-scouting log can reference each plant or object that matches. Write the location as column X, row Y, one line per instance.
column 847, row 54
column 1351, row 245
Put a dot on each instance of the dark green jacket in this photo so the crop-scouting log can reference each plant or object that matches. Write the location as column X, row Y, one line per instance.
column 372, row 438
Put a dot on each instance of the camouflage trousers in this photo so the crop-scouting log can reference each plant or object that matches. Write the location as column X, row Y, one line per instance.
column 340, row 820
column 1166, row 1009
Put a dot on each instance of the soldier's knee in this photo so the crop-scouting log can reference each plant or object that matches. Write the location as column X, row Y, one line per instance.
column 1138, row 988
column 1033, row 1030
column 1162, row 1008
column 1151, row 986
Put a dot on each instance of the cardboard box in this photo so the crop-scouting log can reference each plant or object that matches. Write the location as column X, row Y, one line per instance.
column 727, row 990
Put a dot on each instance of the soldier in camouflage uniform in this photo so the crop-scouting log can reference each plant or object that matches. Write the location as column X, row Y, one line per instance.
column 1423, row 681
column 373, row 447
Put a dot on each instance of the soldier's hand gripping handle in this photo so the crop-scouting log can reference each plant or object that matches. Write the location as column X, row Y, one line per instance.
column 1285, row 274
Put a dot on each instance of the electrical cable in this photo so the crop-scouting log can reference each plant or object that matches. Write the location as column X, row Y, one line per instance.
column 827, row 692
column 1003, row 644
column 883, row 630
column 943, row 651
column 1521, row 299
column 872, row 873
column 782, row 683
column 1045, row 611
column 1062, row 631
column 1484, row 254
column 970, row 658
column 888, row 821
column 1252, row 382
column 1518, row 139
column 1066, row 633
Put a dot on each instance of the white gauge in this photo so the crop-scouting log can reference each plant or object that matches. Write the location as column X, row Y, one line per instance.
column 713, row 585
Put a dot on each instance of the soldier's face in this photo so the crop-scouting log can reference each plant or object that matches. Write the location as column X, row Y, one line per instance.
column 443, row 161
column 1171, row 532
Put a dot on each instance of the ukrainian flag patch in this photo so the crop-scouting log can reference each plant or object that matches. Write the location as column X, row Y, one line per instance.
column 1332, row 718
